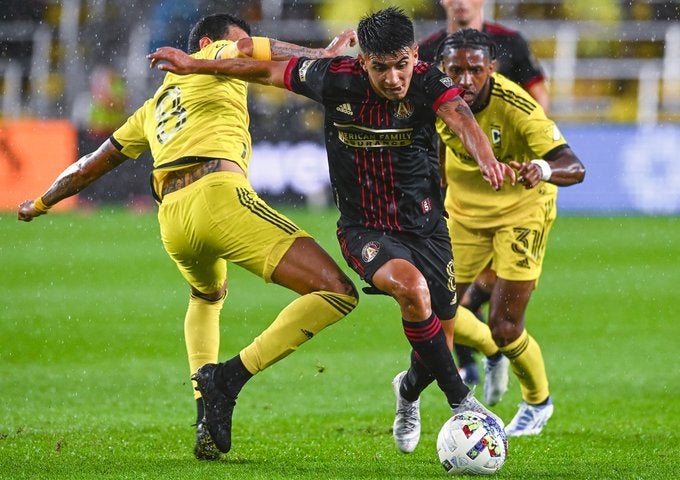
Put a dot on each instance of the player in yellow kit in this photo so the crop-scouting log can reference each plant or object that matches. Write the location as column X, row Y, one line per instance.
column 509, row 227
column 196, row 128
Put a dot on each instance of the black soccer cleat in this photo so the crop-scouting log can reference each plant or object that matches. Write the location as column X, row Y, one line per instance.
column 218, row 404
column 205, row 448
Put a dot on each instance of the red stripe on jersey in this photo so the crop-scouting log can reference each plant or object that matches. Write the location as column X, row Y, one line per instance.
column 289, row 71
column 446, row 96
column 421, row 67
column 349, row 65
column 394, row 198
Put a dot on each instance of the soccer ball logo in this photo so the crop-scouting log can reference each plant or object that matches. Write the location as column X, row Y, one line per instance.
column 472, row 443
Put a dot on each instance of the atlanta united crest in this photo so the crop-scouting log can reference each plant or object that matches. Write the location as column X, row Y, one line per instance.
column 370, row 251
column 402, row 110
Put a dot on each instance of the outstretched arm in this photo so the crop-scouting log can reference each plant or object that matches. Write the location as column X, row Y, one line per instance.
column 460, row 120
column 73, row 179
column 266, row 72
column 284, row 51
column 561, row 169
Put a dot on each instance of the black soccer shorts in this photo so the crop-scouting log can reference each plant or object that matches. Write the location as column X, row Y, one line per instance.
column 367, row 250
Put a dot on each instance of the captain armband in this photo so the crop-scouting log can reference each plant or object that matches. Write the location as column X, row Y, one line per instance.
column 546, row 171
column 262, row 49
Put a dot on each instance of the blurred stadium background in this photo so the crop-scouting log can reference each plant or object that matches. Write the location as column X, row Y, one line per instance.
column 71, row 71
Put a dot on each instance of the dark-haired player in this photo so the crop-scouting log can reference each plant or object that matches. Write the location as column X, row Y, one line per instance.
column 510, row 226
column 380, row 112
column 197, row 130
column 515, row 61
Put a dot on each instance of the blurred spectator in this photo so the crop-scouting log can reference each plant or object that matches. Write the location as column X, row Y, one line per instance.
column 97, row 113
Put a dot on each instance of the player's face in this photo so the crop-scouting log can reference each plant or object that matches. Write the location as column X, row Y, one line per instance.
column 390, row 75
column 463, row 11
column 470, row 69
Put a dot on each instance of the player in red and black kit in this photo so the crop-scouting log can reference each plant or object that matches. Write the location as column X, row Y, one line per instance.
column 514, row 58
column 380, row 111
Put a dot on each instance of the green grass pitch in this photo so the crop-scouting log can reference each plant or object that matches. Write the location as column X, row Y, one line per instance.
column 94, row 381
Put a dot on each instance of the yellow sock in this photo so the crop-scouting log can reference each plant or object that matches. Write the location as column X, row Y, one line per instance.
column 298, row 322
column 469, row 331
column 527, row 363
column 202, row 333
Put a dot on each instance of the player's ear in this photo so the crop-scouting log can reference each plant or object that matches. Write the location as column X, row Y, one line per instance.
column 204, row 42
column 362, row 61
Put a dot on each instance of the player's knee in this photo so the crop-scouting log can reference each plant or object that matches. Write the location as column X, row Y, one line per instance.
column 413, row 295
column 504, row 332
column 213, row 297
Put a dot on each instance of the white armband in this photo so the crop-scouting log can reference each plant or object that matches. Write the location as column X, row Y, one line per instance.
column 546, row 171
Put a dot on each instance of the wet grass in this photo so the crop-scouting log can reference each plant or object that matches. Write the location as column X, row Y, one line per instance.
column 94, row 382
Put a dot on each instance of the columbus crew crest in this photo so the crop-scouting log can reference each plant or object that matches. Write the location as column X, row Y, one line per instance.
column 402, row 110
column 370, row 251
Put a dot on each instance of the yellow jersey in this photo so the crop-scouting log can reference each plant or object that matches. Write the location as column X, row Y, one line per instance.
column 192, row 116
column 518, row 129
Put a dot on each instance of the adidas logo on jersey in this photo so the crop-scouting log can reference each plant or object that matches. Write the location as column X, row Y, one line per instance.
column 345, row 108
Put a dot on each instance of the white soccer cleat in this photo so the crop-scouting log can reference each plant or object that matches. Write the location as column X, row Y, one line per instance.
column 529, row 419
column 406, row 427
column 495, row 379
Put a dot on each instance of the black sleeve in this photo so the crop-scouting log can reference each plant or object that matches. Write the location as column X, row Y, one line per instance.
column 306, row 76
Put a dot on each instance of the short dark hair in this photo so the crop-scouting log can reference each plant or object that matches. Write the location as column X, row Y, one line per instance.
column 385, row 31
column 214, row 27
column 467, row 38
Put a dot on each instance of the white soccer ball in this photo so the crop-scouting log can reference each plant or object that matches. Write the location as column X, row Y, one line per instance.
column 472, row 443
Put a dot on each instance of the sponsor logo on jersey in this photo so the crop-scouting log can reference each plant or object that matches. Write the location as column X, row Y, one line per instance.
column 302, row 73
column 402, row 110
column 362, row 137
column 370, row 251
column 345, row 108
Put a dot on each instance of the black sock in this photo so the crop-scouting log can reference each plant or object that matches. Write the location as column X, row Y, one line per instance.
column 429, row 342
column 417, row 379
column 477, row 297
column 464, row 354
column 232, row 375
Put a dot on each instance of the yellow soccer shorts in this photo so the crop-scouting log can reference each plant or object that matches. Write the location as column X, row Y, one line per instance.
column 516, row 249
column 218, row 219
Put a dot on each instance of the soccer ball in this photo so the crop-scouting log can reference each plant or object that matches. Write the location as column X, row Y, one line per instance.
column 472, row 443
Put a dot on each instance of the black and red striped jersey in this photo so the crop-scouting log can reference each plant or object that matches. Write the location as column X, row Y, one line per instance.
column 382, row 154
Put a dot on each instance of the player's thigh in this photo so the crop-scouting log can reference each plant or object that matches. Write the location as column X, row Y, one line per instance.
column 221, row 219
column 182, row 219
column 519, row 248
column 434, row 259
column 472, row 250
column 306, row 267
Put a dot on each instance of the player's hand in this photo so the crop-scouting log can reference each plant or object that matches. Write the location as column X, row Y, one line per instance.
column 176, row 61
column 495, row 172
column 27, row 211
column 346, row 39
column 528, row 174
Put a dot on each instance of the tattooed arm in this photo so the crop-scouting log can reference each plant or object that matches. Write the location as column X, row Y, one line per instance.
column 73, row 179
column 458, row 117
column 285, row 51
